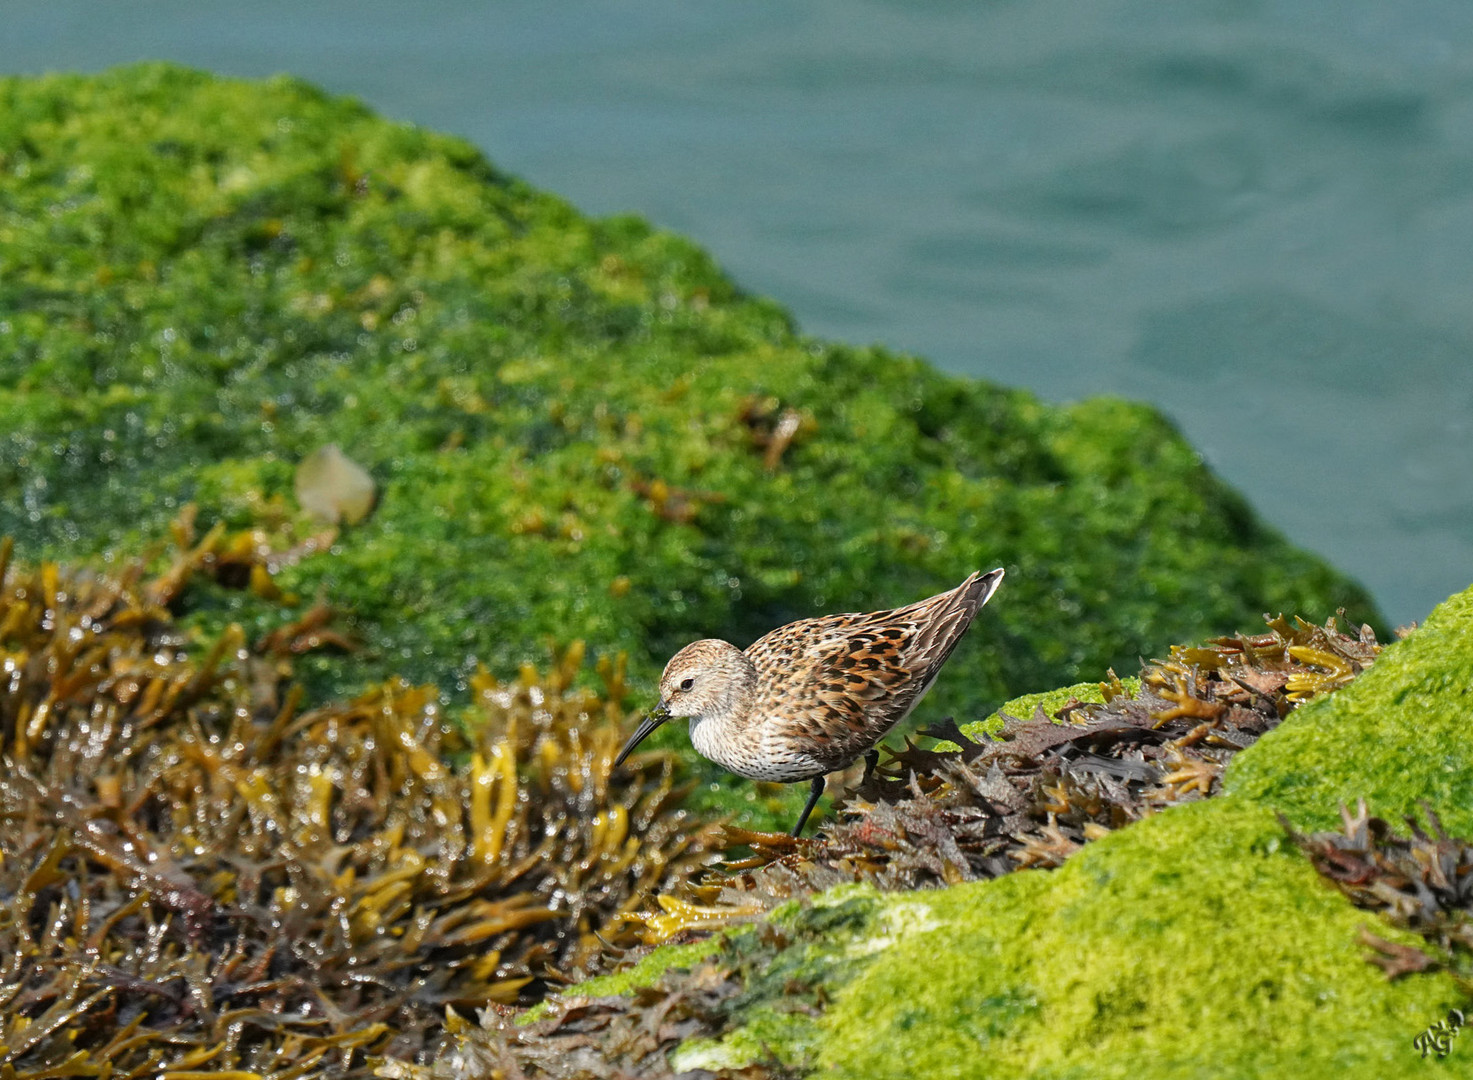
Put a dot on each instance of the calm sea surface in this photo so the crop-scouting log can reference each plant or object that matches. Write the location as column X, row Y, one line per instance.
column 1258, row 215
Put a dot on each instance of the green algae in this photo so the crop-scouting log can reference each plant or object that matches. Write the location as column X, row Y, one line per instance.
column 789, row 968
column 1198, row 942
column 1399, row 734
column 203, row 281
column 644, row 972
column 1050, row 701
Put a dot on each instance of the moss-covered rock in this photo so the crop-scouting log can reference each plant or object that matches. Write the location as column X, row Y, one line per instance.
column 1198, row 942
column 579, row 429
column 1398, row 734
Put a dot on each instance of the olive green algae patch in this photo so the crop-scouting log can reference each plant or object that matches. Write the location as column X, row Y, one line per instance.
column 647, row 970
column 790, row 966
column 1050, row 701
column 1196, row 943
column 644, row 972
column 575, row 427
column 1399, row 734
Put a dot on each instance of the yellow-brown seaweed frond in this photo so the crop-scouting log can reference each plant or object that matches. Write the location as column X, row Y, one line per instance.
column 197, row 873
column 1312, row 659
column 772, row 428
column 677, row 916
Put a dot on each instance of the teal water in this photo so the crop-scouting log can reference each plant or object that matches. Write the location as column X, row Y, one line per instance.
column 1257, row 215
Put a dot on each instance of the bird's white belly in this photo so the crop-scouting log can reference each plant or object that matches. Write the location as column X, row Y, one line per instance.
column 754, row 754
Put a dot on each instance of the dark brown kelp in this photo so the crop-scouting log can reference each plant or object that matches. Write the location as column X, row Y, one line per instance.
column 1421, row 881
column 1047, row 784
column 196, row 874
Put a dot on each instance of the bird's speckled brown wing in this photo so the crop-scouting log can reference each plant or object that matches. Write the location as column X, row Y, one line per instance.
column 835, row 685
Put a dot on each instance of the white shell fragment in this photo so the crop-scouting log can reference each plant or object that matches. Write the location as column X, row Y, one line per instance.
column 333, row 487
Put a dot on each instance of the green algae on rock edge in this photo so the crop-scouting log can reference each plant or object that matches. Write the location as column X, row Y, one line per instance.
column 1400, row 733
column 1196, row 940
column 1025, row 706
column 558, row 412
column 643, row 972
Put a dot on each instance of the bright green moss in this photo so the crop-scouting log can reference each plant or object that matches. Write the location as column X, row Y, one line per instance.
column 1197, row 943
column 825, row 943
column 1050, row 701
column 646, row 972
column 1398, row 734
column 203, row 280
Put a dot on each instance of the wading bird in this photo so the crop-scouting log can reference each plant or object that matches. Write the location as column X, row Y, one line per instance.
column 810, row 697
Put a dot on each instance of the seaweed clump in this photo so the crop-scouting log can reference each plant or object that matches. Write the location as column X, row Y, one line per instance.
column 593, row 1038
column 1029, row 792
column 1422, row 881
column 196, row 872
column 659, row 1023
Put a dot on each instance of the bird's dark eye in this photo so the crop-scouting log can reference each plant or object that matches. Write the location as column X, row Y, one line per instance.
column 686, row 684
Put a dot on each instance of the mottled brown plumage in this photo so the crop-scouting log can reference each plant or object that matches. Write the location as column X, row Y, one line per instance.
column 814, row 695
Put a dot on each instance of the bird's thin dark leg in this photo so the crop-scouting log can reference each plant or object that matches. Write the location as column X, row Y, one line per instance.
column 871, row 763
column 812, row 802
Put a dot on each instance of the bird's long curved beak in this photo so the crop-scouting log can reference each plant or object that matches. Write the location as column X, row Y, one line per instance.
column 658, row 715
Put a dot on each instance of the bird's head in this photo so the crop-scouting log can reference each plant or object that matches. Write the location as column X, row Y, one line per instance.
column 705, row 680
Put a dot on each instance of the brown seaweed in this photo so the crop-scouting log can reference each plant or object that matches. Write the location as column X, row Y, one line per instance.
column 623, row 1037
column 198, row 873
column 771, row 427
column 1421, row 881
